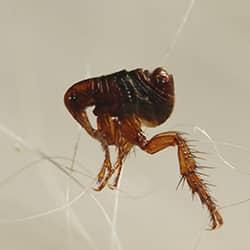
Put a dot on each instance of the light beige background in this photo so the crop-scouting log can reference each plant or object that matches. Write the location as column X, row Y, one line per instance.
column 48, row 45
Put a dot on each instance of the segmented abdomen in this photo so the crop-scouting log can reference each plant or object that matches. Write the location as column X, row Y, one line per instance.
column 133, row 92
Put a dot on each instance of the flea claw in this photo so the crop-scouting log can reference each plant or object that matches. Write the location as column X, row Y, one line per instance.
column 112, row 186
column 99, row 188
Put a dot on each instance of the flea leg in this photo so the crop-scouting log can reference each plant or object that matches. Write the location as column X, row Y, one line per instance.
column 83, row 119
column 188, row 166
column 111, row 132
column 123, row 152
column 105, row 166
column 100, row 135
column 107, row 128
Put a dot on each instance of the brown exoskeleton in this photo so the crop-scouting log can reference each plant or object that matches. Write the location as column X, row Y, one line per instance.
column 123, row 102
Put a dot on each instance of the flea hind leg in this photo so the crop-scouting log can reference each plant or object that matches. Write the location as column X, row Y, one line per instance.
column 187, row 163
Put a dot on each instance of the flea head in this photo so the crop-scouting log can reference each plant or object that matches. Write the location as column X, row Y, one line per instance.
column 77, row 98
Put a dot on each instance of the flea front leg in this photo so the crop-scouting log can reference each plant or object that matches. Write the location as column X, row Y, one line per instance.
column 106, row 170
column 108, row 128
column 123, row 151
column 99, row 135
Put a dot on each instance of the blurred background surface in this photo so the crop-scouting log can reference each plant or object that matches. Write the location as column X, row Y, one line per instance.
column 46, row 46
